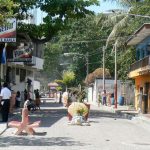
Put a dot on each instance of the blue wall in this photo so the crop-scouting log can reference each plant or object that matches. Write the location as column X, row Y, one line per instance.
column 143, row 49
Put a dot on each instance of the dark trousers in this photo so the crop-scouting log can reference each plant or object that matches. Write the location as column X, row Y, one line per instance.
column 17, row 104
column 5, row 110
column 104, row 100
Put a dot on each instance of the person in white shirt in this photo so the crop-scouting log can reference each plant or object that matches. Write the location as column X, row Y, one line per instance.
column 5, row 96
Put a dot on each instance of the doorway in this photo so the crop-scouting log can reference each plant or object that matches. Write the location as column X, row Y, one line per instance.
column 145, row 97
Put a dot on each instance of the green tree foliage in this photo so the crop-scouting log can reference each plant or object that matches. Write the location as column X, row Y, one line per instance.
column 6, row 10
column 84, row 35
column 68, row 78
column 90, row 34
column 52, row 59
column 124, row 25
column 57, row 14
column 124, row 61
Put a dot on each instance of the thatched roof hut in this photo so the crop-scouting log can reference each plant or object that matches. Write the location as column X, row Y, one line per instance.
column 98, row 73
column 89, row 78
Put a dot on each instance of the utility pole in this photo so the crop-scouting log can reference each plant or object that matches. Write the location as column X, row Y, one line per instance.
column 87, row 69
column 115, row 84
column 103, row 67
column 87, row 63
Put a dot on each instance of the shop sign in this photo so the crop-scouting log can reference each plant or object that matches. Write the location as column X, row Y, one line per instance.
column 8, row 31
column 21, row 55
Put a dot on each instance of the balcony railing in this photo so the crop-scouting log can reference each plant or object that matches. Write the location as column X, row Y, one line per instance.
column 35, row 63
column 32, row 63
column 140, row 63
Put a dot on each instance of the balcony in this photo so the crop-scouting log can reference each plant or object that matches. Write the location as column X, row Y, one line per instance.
column 36, row 63
column 140, row 64
column 32, row 62
column 140, row 67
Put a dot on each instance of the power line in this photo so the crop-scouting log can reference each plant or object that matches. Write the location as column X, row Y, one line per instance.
column 105, row 38
column 94, row 53
column 95, row 62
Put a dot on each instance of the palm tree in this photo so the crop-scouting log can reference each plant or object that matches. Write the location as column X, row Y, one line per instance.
column 123, row 20
column 124, row 24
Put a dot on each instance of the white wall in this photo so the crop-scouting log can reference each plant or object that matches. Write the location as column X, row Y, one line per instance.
column 90, row 94
column 21, row 87
column 98, row 87
column 36, row 85
column 38, row 63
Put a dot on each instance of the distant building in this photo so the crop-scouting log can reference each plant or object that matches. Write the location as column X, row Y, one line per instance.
column 124, row 89
column 36, row 17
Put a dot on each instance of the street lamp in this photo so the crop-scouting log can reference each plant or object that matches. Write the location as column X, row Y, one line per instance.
column 115, row 82
column 64, row 64
column 103, row 67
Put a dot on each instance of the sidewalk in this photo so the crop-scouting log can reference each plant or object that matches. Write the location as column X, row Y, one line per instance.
column 119, row 109
column 128, row 113
column 4, row 125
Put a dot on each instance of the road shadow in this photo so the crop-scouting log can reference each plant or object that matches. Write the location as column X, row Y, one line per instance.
column 51, row 104
column 36, row 134
column 105, row 114
column 49, row 114
column 52, row 112
column 38, row 141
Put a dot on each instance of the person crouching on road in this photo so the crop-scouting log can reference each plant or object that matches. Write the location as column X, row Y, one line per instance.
column 5, row 96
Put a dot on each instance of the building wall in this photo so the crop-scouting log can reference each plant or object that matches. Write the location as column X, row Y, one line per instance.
column 140, row 82
column 143, row 49
column 123, row 89
column 90, row 94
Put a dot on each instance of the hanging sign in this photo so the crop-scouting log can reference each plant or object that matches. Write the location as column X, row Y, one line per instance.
column 22, row 55
column 8, row 31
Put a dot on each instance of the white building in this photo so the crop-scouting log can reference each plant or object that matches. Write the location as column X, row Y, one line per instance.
column 123, row 89
column 23, row 61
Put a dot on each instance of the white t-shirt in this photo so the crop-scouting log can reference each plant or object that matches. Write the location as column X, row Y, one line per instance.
column 5, row 93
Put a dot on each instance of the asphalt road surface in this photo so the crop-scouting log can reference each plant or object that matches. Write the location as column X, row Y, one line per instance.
column 106, row 132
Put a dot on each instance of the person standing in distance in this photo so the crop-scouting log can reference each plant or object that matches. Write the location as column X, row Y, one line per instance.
column 5, row 96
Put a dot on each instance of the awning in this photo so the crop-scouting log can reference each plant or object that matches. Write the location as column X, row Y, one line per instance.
column 142, row 33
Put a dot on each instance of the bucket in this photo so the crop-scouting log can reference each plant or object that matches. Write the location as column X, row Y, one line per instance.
column 121, row 100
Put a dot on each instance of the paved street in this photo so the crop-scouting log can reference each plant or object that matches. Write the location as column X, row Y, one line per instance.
column 106, row 132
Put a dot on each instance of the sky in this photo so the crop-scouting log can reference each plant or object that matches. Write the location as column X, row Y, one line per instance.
column 104, row 6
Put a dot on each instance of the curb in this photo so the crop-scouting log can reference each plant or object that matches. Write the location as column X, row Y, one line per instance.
column 4, row 129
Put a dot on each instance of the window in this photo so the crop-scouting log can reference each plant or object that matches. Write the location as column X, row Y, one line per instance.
column 148, row 49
